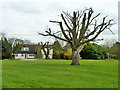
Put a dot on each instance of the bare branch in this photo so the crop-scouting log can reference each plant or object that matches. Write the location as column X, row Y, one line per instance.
column 60, row 23
column 57, row 32
column 50, row 34
column 68, row 16
column 102, row 28
column 43, row 34
column 65, row 22
column 83, row 29
column 111, row 31
column 69, row 21
column 89, row 16
column 54, row 21
column 88, row 40
column 96, row 27
column 95, row 17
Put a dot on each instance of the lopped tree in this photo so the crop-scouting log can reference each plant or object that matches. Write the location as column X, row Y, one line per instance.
column 46, row 49
column 81, row 27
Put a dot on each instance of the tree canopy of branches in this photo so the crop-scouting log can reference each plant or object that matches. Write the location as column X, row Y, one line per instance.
column 81, row 27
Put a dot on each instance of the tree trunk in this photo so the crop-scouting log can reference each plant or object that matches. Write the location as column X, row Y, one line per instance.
column 75, row 58
column 46, row 56
column 76, row 55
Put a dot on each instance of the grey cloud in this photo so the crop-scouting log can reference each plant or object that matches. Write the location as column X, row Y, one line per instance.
column 22, row 7
column 33, row 16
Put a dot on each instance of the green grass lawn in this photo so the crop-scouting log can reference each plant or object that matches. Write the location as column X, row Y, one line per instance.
column 59, row 74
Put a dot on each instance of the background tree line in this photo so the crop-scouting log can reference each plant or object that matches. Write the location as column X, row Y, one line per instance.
column 90, row 50
column 10, row 46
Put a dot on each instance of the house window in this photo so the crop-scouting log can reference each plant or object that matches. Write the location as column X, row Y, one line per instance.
column 25, row 49
column 31, row 55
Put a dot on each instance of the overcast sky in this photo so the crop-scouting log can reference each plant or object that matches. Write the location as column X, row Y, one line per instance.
column 24, row 18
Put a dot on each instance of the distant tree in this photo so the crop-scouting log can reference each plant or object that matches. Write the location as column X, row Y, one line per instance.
column 66, row 47
column 27, row 41
column 108, row 43
column 17, row 43
column 38, row 51
column 81, row 27
column 56, row 47
column 6, row 48
column 68, row 53
column 59, row 54
column 93, row 51
column 114, row 50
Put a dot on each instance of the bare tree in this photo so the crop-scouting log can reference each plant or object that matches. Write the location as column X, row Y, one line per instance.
column 46, row 49
column 81, row 27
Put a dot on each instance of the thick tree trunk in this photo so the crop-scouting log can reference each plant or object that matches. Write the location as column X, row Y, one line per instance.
column 46, row 56
column 75, row 58
column 76, row 55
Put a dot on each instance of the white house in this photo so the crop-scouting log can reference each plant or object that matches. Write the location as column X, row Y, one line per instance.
column 28, row 52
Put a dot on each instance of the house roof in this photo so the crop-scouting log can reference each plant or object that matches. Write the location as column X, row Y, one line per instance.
column 31, row 49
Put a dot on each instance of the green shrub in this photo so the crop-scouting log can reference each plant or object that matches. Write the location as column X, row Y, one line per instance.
column 93, row 51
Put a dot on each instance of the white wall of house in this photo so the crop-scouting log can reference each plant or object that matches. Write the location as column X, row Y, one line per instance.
column 18, row 56
column 31, row 56
column 23, row 56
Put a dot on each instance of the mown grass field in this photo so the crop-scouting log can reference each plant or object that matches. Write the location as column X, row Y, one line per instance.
column 59, row 74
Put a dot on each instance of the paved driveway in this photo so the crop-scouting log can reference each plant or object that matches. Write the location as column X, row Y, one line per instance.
column 29, row 59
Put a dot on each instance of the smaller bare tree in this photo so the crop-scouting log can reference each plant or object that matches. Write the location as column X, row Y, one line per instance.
column 46, row 49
